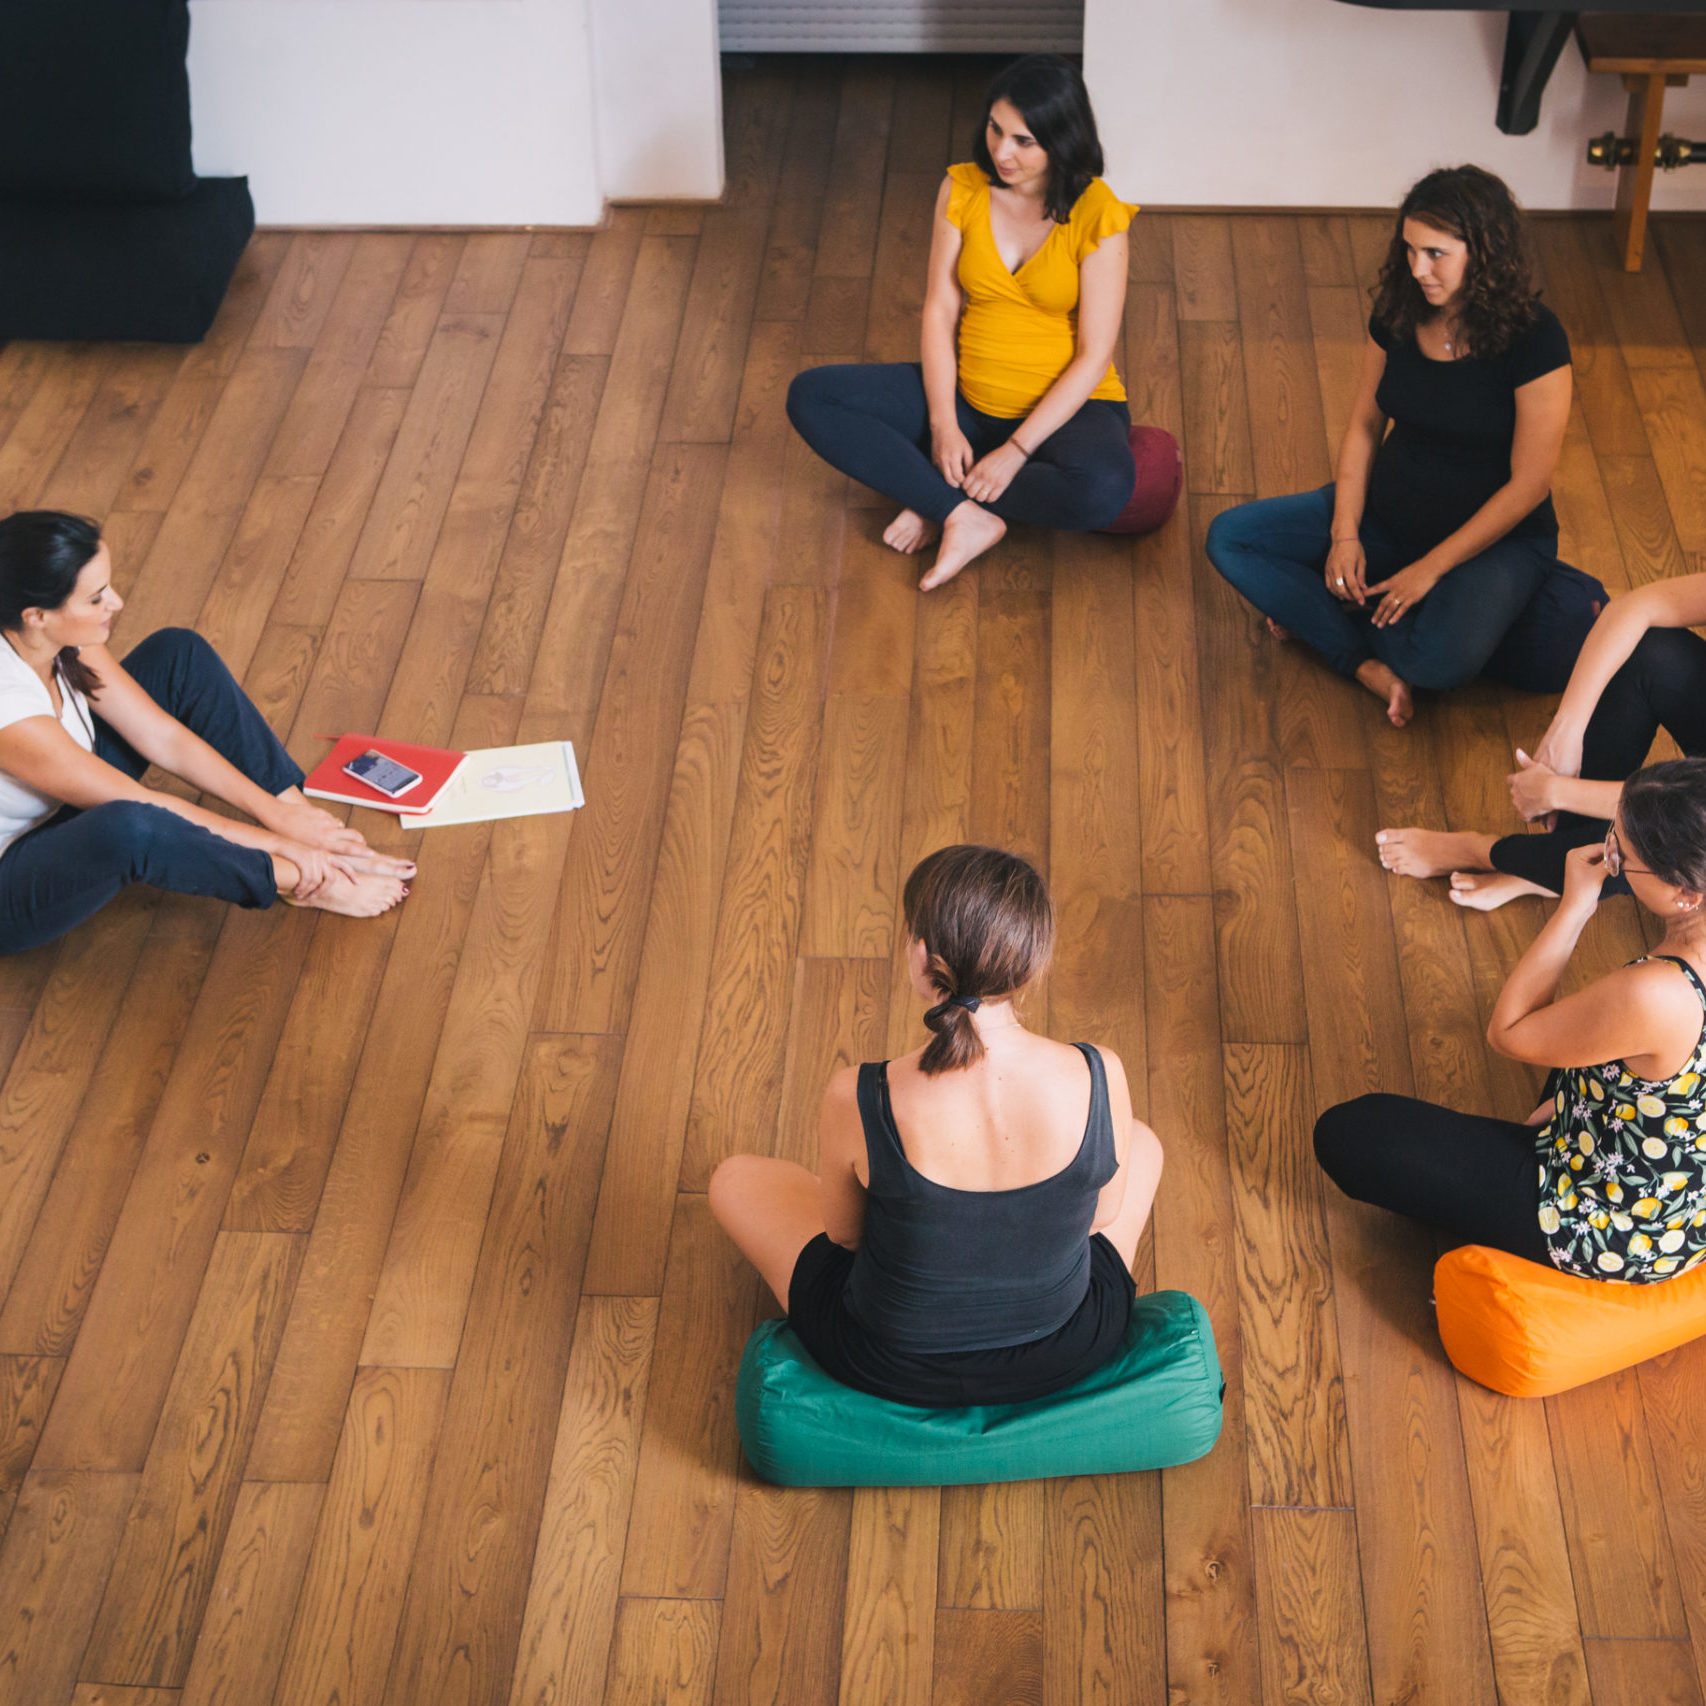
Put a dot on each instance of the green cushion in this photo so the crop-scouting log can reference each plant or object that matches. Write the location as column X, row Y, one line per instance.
column 1154, row 1404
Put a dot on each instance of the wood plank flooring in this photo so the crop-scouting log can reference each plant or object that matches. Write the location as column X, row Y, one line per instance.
column 364, row 1333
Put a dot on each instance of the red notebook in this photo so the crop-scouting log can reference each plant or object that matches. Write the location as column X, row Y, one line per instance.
column 435, row 763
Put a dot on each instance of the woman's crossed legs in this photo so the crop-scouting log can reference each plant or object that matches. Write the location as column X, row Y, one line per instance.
column 872, row 421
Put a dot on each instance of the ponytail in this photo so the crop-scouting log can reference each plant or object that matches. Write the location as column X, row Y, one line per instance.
column 954, row 1043
column 987, row 928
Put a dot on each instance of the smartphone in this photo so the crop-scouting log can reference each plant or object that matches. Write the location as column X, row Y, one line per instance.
column 390, row 778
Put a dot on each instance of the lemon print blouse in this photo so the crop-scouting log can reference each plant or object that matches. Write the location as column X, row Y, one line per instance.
column 1623, row 1167
column 1019, row 330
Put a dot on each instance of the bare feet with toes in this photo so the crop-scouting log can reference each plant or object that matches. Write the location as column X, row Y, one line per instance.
column 1384, row 683
column 1466, row 856
column 910, row 531
column 1486, row 891
column 371, row 864
column 967, row 533
column 1433, row 852
column 365, row 896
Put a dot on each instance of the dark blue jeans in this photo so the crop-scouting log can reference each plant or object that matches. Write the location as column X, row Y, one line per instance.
column 1275, row 553
column 68, row 868
column 872, row 421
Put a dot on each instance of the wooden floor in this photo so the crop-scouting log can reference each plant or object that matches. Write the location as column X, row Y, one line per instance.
column 364, row 1336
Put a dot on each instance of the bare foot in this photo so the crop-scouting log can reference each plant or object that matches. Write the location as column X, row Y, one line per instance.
column 373, row 864
column 967, row 533
column 1277, row 631
column 909, row 532
column 354, row 897
column 1484, row 891
column 1383, row 683
column 1433, row 852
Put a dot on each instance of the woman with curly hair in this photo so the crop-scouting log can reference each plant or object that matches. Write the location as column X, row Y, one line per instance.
column 1410, row 568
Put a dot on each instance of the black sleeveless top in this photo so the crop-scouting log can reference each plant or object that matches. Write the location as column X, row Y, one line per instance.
column 940, row 1269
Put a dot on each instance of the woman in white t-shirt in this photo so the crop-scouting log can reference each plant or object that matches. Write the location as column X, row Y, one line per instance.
column 78, row 730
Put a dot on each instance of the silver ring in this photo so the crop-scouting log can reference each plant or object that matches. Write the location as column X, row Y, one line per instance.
column 1339, row 582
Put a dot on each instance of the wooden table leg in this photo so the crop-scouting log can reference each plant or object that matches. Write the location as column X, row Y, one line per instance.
column 1635, row 181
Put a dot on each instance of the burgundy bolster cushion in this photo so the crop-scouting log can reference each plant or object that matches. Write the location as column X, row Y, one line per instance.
column 1160, row 475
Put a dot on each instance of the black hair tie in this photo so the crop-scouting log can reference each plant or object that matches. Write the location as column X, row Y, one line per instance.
column 937, row 1015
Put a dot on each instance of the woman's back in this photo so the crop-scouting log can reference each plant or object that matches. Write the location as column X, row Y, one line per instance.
column 981, row 1197
column 1008, row 1120
column 969, row 1236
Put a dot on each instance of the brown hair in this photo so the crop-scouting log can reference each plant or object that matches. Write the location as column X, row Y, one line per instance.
column 1664, row 820
column 1499, row 300
column 988, row 929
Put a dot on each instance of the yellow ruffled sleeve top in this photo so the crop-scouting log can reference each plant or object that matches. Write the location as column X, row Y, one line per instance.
column 1019, row 330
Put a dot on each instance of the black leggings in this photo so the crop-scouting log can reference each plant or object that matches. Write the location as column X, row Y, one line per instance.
column 1662, row 686
column 872, row 421
column 1477, row 1180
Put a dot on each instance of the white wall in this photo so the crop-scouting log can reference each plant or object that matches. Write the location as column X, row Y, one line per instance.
column 1317, row 103
column 456, row 112
column 495, row 112
column 659, row 83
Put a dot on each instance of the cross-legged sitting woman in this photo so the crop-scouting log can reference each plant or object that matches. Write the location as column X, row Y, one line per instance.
column 78, row 729
column 1641, row 670
column 1612, row 1184
column 969, row 1239
column 1016, row 413
column 1409, row 570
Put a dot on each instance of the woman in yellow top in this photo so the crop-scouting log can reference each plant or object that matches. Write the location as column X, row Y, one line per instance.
column 1016, row 412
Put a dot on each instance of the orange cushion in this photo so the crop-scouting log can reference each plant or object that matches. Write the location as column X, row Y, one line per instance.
column 1530, row 1331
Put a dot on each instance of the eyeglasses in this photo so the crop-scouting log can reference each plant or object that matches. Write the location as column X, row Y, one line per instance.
column 1615, row 862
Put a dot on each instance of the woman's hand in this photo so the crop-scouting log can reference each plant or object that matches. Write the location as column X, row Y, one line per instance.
column 1560, row 749
column 1531, row 785
column 1534, row 790
column 1347, row 571
column 1405, row 590
column 315, row 868
column 1584, row 876
column 950, row 450
column 298, row 821
column 309, row 826
column 994, row 474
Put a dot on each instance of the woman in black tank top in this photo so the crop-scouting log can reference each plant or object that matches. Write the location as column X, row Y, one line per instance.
column 969, row 1239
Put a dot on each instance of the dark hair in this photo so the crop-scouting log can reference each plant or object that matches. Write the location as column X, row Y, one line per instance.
column 1051, row 95
column 987, row 927
column 1498, row 299
column 42, row 552
column 1664, row 820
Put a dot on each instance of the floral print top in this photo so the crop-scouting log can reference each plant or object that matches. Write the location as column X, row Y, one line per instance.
column 1623, row 1167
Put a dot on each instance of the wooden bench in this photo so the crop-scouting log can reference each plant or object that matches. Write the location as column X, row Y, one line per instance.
column 1649, row 52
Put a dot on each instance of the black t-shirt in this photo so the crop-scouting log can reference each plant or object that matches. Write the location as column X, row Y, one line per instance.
column 1449, row 448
